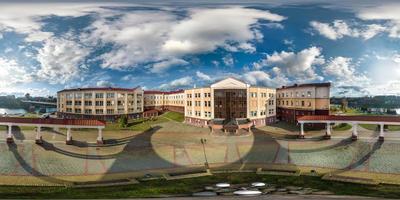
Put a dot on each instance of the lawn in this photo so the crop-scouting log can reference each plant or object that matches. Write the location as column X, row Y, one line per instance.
column 376, row 127
column 187, row 186
column 174, row 116
column 342, row 127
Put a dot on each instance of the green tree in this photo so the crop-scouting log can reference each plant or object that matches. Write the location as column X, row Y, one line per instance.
column 123, row 121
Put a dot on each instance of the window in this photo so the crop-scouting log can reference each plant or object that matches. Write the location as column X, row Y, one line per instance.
column 99, row 103
column 99, row 111
column 69, row 103
column 78, row 103
column 120, row 103
column 88, row 111
column 88, row 95
column 110, row 103
column 110, row 95
column 69, row 96
column 121, row 95
column 110, row 111
column 309, row 104
column 78, row 95
column 78, row 110
column 88, row 103
column 308, row 93
column 99, row 95
column 302, row 103
column 69, row 109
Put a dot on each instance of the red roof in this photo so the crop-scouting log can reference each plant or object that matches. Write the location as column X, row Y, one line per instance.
column 306, row 85
column 100, row 88
column 50, row 121
column 349, row 118
column 163, row 92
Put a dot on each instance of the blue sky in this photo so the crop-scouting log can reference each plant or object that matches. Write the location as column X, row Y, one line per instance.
column 46, row 47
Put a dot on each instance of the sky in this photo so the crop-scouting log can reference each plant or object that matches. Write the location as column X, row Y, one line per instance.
column 167, row 45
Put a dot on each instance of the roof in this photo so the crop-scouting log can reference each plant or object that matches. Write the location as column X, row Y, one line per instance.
column 50, row 121
column 350, row 118
column 327, row 84
column 100, row 88
column 163, row 92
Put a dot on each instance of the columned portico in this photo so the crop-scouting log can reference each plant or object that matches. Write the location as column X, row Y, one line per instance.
column 328, row 131
column 301, row 136
column 381, row 121
column 354, row 134
column 10, row 138
column 381, row 132
column 38, row 135
column 69, row 136
column 100, row 136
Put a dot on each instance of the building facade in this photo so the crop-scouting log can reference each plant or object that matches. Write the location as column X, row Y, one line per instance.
column 230, row 99
column 300, row 100
column 100, row 103
column 165, row 101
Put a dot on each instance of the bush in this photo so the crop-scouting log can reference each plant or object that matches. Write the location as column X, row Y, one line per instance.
column 123, row 121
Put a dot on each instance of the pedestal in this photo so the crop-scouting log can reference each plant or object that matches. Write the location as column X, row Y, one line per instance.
column 381, row 139
column 100, row 141
column 39, row 141
column 327, row 137
column 354, row 137
column 10, row 140
column 69, row 142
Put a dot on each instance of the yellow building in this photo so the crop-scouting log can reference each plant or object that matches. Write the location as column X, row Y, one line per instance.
column 160, row 100
column 100, row 103
column 230, row 99
column 304, row 99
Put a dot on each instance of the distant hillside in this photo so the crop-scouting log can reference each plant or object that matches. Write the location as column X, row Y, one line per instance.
column 369, row 102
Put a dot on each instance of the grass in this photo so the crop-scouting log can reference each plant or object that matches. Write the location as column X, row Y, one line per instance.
column 174, row 116
column 187, row 186
column 342, row 127
column 145, row 124
column 373, row 127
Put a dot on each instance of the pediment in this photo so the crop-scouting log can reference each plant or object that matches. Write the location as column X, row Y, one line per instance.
column 230, row 83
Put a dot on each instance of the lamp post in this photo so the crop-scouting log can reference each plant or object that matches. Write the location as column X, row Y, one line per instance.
column 203, row 142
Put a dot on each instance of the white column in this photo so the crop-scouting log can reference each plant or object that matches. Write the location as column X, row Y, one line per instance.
column 100, row 136
column 381, row 133
column 38, row 135
column 301, row 130
column 69, row 136
column 354, row 133
column 328, row 130
column 9, row 134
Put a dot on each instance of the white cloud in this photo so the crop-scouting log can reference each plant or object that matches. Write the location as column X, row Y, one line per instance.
column 297, row 65
column 11, row 73
column 344, row 72
column 203, row 76
column 178, row 83
column 166, row 64
column 228, row 60
column 262, row 78
column 61, row 60
column 339, row 28
column 104, row 83
column 385, row 11
column 155, row 36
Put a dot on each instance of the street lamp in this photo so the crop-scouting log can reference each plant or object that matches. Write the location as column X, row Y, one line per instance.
column 203, row 142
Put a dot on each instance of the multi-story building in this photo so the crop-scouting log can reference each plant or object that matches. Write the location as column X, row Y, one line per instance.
column 159, row 100
column 230, row 99
column 100, row 103
column 305, row 99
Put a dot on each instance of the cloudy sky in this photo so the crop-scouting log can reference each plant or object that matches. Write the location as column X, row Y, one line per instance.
column 46, row 47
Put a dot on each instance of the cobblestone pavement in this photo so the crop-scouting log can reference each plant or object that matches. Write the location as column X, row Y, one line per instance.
column 171, row 145
column 279, row 197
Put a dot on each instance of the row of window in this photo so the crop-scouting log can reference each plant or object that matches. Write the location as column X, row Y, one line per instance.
column 101, row 111
column 262, row 112
column 101, row 103
column 198, row 95
column 297, row 94
column 198, row 113
column 99, row 95
column 297, row 103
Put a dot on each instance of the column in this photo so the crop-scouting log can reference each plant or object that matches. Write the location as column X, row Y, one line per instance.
column 100, row 137
column 381, row 133
column 301, row 136
column 328, row 131
column 10, row 138
column 69, row 136
column 354, row 133
column 38, row 136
